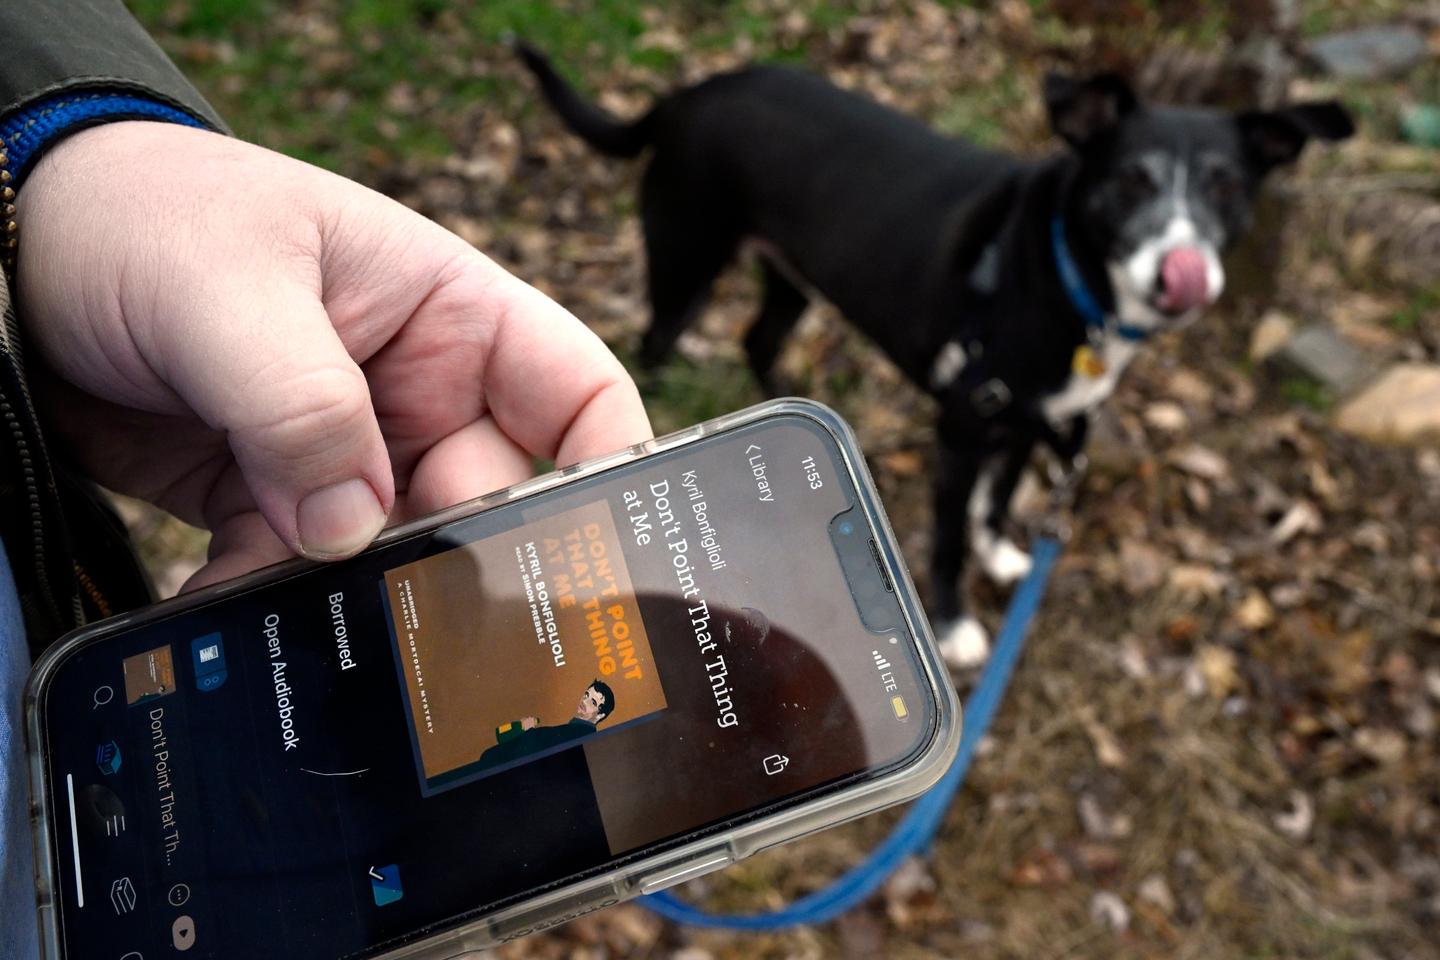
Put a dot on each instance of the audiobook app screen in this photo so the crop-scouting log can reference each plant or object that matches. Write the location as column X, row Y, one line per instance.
column 372, row 750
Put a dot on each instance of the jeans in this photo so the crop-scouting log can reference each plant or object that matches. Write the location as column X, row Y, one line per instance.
column 18, row 928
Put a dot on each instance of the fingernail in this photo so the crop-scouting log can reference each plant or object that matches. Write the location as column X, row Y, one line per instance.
column 339, row 520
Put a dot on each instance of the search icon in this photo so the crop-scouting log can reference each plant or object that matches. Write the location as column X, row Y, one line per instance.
column 103, row 695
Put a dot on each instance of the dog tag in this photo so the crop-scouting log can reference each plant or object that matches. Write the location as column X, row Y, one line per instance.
column 1087, row 362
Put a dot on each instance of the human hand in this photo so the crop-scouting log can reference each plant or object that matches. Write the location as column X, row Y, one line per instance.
column 283, row 356
column 528, row 723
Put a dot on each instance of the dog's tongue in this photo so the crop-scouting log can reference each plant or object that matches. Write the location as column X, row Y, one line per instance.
column 1182, row 278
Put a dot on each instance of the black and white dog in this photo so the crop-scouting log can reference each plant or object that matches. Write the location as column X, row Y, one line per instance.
column 1015, row 291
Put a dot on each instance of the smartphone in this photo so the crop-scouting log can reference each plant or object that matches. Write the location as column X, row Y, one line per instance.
column 596, row 684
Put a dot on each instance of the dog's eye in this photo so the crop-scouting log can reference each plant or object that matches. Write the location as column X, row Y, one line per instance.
column 1221, row 184
column 1137, row 184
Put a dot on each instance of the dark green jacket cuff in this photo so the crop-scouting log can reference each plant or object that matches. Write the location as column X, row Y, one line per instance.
column 52, row 46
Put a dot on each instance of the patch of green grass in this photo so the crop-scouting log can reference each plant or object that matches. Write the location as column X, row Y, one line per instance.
column 362, row 82
column 203, row 18
column 679, row 394
column 1307, row 393
column 979, row 113
column 1408, row 317
column 1325, row 16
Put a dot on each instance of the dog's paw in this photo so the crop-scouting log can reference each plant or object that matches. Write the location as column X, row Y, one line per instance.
column 964, row 643
column 1004, row 562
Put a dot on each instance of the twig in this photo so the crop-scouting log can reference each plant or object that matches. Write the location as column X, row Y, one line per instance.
column 1366, row 597
column 1361, row 183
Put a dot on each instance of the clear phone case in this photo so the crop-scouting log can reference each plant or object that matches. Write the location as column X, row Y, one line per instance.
column 649, row 875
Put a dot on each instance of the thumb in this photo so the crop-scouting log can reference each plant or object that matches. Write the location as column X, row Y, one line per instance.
column 296, row 410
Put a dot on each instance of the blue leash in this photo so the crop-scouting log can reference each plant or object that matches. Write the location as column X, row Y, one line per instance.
column 918, row 828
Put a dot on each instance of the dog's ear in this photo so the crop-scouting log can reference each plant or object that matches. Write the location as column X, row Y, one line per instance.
column 1276, row 137
column 1081, row 110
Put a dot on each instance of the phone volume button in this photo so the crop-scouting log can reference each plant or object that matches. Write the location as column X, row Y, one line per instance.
column 667, row 877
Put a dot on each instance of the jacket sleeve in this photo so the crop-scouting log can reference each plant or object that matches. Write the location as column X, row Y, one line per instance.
column 49, row 47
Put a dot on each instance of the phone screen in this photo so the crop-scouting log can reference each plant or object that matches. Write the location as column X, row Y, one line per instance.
column 365, row 752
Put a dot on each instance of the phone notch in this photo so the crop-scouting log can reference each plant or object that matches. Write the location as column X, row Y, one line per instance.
column 869, row 582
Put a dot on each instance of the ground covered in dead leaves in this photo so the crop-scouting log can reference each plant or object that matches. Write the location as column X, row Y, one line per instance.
column 1222, row 740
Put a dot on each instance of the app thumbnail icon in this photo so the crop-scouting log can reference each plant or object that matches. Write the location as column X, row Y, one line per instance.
column 207, row 653
column 385, row 885
column 148, row 675
column 107, row 757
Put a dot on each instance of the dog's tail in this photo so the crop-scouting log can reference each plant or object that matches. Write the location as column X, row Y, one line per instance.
column 599, row 128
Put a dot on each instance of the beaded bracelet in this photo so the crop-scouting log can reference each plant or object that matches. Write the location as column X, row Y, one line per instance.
column 8, row 227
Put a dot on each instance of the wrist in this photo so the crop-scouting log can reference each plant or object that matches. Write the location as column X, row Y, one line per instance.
column 27, row 134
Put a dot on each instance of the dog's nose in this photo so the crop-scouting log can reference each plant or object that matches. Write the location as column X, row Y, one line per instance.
column 1182, row 280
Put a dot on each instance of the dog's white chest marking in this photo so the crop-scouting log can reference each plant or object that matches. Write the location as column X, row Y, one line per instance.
column 1083, row 391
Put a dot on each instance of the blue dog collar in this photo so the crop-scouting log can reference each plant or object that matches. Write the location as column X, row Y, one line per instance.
column 1097, row 321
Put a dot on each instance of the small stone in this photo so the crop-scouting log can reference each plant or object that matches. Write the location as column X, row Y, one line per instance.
column 1255, row 612
column 1402, row 406
column 1132, row 660
column 1385, row 747
column 1369, row 53
column 1272, row 332
column 1296, row 821
column 1323, row 355
column 1100, row 824
column 1196, row 580
column 1191, row 389
column 1420, row 123
column 1217, row 667
column 1302, row 517
column 1166, row 416
column 1156, row 892
column 1201, row 462
column 1420, row 720
column 1110, row 912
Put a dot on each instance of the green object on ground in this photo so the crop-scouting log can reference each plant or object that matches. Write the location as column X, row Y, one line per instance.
column 1420, row 124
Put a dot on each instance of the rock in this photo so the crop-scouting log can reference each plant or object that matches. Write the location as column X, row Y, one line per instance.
column 1099, row 823
column 1420, row 123
column 1196, row 580
column 1321, row 354
column 1156, row 892
column 1402, row 406
column 1201, row 462
column 1166, row 416
column 1272, row 332
column 1255, row 612
column 1384, row 746
column 1302, row 517
column 1432, row 682
column 1296, row 822
column 1190, row 388
column 1217, row 667
column 1369, row 53
column 1110, row 912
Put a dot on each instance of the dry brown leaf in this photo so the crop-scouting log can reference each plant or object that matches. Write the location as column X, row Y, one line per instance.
column 1218, row 668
